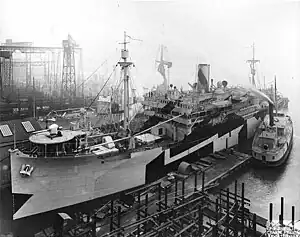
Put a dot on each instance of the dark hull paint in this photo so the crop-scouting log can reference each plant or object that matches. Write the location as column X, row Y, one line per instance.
column 156, row 168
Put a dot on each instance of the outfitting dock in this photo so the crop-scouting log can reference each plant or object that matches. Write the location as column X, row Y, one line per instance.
column 178, row 205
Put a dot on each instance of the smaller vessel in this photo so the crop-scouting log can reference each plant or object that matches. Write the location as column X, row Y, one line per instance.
column 273, row 139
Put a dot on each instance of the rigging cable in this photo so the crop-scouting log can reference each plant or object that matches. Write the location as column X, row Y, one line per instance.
column 85, row 80
column 103, row 85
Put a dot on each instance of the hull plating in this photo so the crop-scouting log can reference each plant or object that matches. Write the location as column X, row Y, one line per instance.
column 55, row 184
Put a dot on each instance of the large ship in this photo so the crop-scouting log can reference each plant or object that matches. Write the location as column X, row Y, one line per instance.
column 273, row 139
column 282, row 102
column 68, row 167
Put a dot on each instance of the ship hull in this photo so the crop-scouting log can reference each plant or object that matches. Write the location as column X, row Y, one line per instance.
column 57, row 183
column 280, row 160
column 201, row 143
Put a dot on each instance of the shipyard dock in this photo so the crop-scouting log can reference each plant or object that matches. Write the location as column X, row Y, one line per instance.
column 184, row 203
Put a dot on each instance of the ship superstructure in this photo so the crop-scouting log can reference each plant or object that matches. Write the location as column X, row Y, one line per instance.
column 282, row 102
column 273, row 139
column 80, row 165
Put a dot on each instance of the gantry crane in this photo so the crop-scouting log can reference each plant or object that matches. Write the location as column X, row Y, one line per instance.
column 68, row 89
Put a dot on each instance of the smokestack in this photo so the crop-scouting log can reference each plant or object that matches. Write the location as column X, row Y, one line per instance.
column 271, row 114
column 203, row 77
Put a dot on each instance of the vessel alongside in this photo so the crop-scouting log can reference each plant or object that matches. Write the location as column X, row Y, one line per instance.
column 79, row 165
column 273, row 139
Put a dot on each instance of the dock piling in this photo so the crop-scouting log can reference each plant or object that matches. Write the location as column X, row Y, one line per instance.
column 159, row 197
column 243, row 208
column 235, row 190
column 227, row 215
column 166, row 198
column 112, row 215
column 196, row 177
column 146, row 204
column 203, row 181
column 183, row 187
column 254, row 224
column 139, row 212
column 176, row 191
column 271, row 213
column 281, row 209
column 293, row 216
column 119, row 220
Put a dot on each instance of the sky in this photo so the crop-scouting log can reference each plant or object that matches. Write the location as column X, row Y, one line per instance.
column 218, row 32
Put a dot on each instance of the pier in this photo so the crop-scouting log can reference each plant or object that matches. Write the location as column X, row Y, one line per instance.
column 177, row 205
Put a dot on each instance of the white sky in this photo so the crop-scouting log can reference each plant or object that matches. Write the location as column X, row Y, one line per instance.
column 218, row 32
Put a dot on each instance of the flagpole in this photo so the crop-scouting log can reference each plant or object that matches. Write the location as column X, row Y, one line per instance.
column 275, row 95
column 14, row 136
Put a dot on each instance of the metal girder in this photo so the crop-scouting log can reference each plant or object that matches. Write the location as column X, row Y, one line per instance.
column 34, row 63
column 68, row 73
column 34, row 49
column 7, row 73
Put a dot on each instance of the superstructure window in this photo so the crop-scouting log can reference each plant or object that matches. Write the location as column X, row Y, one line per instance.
column 5, row 130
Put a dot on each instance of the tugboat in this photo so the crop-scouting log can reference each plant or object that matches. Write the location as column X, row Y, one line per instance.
column 273, row 140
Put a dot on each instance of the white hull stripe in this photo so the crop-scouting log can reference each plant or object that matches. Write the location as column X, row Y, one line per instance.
column 169, row 159
column 219, row 143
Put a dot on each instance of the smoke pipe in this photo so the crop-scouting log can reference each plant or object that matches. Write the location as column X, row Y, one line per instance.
column 271, row 114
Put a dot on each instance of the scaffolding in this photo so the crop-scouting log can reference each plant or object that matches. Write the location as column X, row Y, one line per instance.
column 164, row 210
column 68, row 89
column 7, row 64
column 6, row 72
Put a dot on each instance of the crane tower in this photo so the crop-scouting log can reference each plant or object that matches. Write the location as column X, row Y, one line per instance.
column 68, row 89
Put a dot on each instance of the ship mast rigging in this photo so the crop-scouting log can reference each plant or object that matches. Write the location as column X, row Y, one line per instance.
column 252, row 63
column 275, row 99
column 125, row 66
column 161, row 67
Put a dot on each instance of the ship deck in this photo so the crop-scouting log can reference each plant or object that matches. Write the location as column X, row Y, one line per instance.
column 56, row 183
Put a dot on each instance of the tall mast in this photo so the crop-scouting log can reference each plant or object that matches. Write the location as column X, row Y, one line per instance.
column 275, row 99
column 252, row 63
column 124, row 65
column 161, row 67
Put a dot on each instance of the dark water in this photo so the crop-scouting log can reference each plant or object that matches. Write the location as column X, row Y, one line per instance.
column 262, row 186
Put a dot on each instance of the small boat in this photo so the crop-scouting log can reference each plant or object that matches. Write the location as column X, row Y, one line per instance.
column 273, row 139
